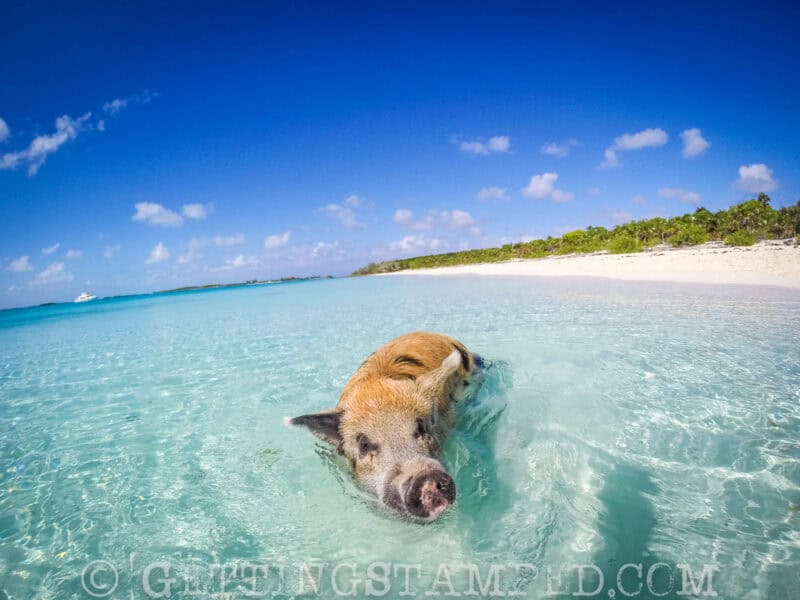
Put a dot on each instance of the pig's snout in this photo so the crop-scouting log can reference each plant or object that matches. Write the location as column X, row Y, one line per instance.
column 429, row 494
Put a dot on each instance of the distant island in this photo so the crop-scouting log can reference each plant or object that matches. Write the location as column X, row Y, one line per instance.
column 211, row 286
column 743, row 224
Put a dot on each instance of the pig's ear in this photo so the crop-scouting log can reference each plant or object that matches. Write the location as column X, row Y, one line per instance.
column 324, row 425
column 435, row 384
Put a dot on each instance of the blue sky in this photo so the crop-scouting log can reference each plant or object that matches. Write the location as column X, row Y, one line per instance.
column 144, row 148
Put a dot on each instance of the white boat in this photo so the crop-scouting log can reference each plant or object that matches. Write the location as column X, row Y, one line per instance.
column 85, row 297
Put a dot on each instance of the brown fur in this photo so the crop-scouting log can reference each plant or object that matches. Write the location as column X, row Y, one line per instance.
column 377, row 376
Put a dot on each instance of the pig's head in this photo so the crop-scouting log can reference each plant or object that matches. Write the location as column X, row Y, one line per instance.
column 388, row 431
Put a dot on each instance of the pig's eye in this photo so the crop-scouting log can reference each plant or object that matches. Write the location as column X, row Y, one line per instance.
column 420, row 429
column 365, row 446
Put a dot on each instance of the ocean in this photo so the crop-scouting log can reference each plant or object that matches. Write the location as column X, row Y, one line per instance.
column 628, row 438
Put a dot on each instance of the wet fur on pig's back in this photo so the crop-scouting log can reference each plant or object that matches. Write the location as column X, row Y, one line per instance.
column 402, row 359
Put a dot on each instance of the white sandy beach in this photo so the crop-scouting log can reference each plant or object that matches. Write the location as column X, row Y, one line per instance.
column 775, row 262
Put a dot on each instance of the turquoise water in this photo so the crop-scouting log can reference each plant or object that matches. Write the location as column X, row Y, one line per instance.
column 619, row 423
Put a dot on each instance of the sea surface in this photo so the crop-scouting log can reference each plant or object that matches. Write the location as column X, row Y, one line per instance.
column 621, row 426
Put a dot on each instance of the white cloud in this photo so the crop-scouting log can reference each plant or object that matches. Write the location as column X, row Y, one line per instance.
column 5, row 132
column 639, row 199
column 559, row 149
column 315, row 254
column 499, row 143
column 277, row 240
column 403, row 216
column 756, row 178
column 73, row 254
column 111, row 250
column 327, row 250
column 239, row 262
column 196, row 245
column 194, row 211
column 456, row 219
column 544, row 186
column 101, row 125
column 155, row 214
column 451, row 219
column 694, row 143
column 112, row 107
column 346, row 216
column 679, row 194
column 353, row 201
column 492, row 193
column 561, row 196
column 409, row 245
column 20, row 265
column 51, row 249
column 52, row 274
column 41, row 146
column 495, row 144
column 115, row 105
column 610, row 159
column 158, row 254
column 647, row 138
column 473, row 147
column 236, row 239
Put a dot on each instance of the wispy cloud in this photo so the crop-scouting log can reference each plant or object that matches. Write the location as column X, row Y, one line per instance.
column 155, row 214
column 647, row 138
column 67, row 128
column 53, row 274
column 694, row 144
column 450, row 219
column 492, row 193
column 110, row 251
column 194, row 211
column 237, row 239
column 35, row 155
column 756, row 178
column 495, row 144
column 559, row 149
column 50, row 249
column 196, row 246
column 20, row 265
column 158, row 254
column 543, row 186
column 277, row 240
column 679, row 194
column 344, row 212
column 73, row 254
column 238, row 263
column 409, row 245
column 113, row 107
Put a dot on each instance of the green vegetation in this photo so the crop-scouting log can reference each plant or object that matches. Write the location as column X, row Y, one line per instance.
column 740, row 238
column 741, row 225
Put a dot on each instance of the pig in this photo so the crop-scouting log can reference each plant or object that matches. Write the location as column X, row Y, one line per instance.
column 392, row 415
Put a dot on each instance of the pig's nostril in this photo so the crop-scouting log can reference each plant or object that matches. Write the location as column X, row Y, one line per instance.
column 429, row 494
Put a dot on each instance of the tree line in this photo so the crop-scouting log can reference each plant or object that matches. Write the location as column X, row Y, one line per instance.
column 742, row 224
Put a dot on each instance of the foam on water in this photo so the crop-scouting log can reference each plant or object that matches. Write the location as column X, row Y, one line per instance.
column 619, row 422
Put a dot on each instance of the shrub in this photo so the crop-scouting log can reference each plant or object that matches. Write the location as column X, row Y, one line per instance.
column 740, row 238
column 689, row 234
column 623, row 244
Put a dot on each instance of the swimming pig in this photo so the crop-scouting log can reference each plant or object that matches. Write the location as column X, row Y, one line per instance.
column 391, row 415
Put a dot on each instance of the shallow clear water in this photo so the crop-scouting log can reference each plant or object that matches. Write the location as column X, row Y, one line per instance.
column 619, row 423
